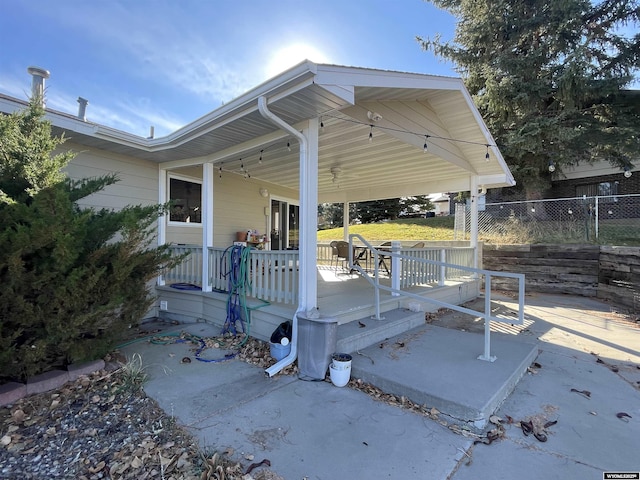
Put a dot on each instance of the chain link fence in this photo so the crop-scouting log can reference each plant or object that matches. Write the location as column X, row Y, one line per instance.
column 609, row 220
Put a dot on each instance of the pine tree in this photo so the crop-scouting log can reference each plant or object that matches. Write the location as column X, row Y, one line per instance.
column 72, row 280
column 549, row 78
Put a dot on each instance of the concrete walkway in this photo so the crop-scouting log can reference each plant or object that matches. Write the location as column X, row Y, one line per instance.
column 315, row 430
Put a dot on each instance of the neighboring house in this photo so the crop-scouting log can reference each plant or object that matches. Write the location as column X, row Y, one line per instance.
column 263, row 162
column 442, row 204
column 599, row 178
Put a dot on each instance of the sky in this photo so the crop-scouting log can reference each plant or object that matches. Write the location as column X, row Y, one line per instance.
column 165, row 63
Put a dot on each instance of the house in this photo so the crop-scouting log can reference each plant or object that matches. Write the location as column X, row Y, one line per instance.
column 256, row 168
column 599, row 178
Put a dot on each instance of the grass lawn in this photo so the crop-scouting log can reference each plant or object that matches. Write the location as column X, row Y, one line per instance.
column 435, row 228
column 441, row 228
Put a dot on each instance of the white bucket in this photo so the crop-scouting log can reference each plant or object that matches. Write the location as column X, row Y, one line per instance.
column 340, row 369
column 339, row 377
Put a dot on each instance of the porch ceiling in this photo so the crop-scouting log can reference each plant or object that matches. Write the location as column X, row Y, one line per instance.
column 392, row 164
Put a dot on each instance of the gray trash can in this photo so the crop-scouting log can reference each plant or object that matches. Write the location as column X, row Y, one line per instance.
column 316, row 343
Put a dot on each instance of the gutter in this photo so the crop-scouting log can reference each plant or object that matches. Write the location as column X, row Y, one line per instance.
column 302, row 300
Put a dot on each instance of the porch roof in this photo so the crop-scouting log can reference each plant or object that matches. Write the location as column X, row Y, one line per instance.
column 401, row 110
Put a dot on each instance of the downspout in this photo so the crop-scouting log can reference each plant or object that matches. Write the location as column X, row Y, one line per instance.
column 302, row 288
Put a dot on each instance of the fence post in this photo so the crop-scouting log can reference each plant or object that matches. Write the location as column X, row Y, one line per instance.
column 596, row 227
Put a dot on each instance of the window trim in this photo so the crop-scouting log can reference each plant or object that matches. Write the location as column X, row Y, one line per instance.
column 184, row 178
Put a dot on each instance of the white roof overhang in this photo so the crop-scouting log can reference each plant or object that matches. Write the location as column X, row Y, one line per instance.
column 412, row 108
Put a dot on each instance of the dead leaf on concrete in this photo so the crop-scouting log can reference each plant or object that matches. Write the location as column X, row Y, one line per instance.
column 495, row 420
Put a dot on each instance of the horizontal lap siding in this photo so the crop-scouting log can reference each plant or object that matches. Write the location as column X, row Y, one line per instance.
column 137, row 185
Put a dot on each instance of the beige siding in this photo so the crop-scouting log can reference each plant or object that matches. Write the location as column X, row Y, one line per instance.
column 188, row 235
column 238, row 206
column 138, row 183
column 585, row 170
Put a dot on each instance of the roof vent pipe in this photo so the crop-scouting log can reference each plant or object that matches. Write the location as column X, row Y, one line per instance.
column 37, row 83
column 151, row 132
column 82, row 108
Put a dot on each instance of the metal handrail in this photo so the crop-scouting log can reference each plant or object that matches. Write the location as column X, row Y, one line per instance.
column 488, row 274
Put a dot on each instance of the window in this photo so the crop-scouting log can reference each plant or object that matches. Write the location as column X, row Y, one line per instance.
column 186, row 201
column 602, row 189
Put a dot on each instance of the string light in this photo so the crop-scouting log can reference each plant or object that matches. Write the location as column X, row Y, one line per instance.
column 370, row 133
column 241, row 165
column 288, row 146
column 552, row 166
column 321, row 125
column 486, row 155
column 425, row 147
column 627, row 172
column 448, row 139
column 260, row 159
column 220, row 171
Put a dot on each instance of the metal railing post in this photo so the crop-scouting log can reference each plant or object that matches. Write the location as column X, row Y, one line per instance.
column 396, row 267
column 487, row 320
column 443, row 269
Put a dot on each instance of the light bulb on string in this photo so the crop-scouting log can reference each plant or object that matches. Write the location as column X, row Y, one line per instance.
column 376, row 117
column 425, row 147
column 321, row 126
column 260, row 159
column 241, row 165
column 288, row 147
column 220, row 171
column 552, row 166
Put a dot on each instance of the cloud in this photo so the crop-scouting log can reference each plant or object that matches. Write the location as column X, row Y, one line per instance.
column 161, row 37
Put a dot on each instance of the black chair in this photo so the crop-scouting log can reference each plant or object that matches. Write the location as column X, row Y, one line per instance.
column 382, row 259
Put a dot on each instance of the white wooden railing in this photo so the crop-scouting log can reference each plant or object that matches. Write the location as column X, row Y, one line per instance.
column 273, row 275
column 438, row 265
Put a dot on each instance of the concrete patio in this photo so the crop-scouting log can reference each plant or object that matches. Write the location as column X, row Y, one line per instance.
column 317, row 430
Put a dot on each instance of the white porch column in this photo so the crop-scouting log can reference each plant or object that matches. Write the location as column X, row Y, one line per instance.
column 474, row 218
column 162, row 220
column 206, row 202
column 345, row 221
column 309, row 218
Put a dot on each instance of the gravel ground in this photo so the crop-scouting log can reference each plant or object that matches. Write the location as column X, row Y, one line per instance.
column 103, row 426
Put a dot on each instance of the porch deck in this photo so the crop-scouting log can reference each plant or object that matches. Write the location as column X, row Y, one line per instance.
column 346, row 297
